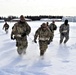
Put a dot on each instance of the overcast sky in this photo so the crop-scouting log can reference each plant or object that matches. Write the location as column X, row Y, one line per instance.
column 38, row 7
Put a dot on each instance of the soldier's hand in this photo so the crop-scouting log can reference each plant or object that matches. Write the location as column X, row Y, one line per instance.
column 48, row 42
column 12, row 38
column 35, row 41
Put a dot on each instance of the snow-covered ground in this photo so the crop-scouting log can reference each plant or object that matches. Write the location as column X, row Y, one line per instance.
column 58, row 59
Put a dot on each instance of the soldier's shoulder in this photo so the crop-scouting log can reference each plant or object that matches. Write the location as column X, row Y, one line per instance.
column 16, row 24
column 62, row 24
column 68, row 24
column 26, row 22
column 50, row 24
column 38, row 30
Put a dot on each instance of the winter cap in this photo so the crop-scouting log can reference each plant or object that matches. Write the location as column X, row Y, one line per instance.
column 66, row 21
column 44, row 25
column 22, row 18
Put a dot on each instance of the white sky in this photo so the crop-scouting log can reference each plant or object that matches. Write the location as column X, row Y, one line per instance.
column 38, row 7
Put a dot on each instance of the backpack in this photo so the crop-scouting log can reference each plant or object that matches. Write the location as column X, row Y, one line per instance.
column 54, row 27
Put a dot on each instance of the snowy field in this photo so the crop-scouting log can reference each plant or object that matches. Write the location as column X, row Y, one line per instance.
column 58, row 59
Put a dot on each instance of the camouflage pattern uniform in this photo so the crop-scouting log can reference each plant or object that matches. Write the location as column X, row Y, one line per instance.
column 6, row 27
column 20, row 31
column 64, row 32
column 52, row 27
column 44, row 34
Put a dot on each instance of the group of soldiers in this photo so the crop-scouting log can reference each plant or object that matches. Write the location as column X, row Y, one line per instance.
column 45, row 35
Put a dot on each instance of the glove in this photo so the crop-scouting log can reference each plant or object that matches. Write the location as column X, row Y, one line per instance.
column 12, row 38
column 35, row 41
column 48, row 42
column 24, row 34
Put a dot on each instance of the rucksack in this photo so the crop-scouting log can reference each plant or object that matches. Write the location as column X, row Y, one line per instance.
column 54, row 27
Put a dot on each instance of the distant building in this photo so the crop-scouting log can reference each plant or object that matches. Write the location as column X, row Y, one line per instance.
column 47, row 19
column 2, row 20
column 69, row 18
column 56, row 20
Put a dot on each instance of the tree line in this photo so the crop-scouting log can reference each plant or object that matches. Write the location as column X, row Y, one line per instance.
column 33, row 18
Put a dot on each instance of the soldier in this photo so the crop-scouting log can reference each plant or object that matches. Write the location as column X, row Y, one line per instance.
column 47, row 24
column 6, row 27
column 19, row 32
column 44, row 34
column 64, row 32
column 52, row 27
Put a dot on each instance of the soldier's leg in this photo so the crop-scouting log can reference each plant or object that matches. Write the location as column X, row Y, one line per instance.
column 66, row 39
column 25, row 44
column 61, row 38
column 19, row 47
column 6, row 30
column 19, row 50
column 43, row 47
column 42, row 51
